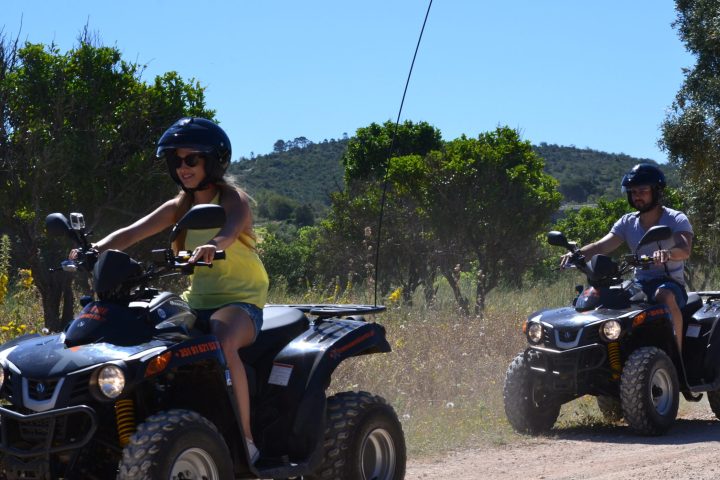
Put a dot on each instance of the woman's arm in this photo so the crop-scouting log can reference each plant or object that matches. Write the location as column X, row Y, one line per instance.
column 152, row 223
column 238, row 220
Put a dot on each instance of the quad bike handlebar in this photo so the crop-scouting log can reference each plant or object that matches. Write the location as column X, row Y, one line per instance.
column 602, row 270
column 115, row 273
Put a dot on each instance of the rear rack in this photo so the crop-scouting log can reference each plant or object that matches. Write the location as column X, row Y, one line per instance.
column 327, row 310
column 710, row 294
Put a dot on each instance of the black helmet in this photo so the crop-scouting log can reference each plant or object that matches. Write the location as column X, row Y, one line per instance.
column 645, row 174
column 198, row 134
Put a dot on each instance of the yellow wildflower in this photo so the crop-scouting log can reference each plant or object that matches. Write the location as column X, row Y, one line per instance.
column 395, row 296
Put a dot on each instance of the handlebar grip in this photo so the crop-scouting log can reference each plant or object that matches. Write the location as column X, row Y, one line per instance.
column 219, row 255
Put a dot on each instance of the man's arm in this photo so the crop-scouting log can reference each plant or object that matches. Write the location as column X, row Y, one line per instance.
column 605, row 245
column 678, row 252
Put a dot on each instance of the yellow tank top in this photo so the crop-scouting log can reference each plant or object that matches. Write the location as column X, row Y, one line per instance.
column 241, row 277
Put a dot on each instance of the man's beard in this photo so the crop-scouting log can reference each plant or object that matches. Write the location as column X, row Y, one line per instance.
column 645, row 207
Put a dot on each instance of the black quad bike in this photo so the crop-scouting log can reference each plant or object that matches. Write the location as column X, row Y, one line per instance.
column 134, row 389
column 613, row 344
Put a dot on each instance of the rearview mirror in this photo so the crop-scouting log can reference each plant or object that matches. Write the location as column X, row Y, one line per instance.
column 200, row 217
column 57, row 225
column 557, row 239
column 655, row 234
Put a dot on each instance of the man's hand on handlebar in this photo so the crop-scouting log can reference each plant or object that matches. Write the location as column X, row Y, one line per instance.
column 661, row 256
column 566, row 261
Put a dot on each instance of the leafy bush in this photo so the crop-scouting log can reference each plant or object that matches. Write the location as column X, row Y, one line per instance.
column 289, row 261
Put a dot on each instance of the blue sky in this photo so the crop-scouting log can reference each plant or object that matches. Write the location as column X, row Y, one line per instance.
column 591, row 74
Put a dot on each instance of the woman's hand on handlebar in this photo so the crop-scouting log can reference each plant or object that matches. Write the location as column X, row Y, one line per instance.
column 78, row 253
column 203, row 253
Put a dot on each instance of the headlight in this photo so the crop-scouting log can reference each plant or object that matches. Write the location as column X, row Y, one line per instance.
column 111, row 381
column 2, row 376
column 611, row 330
column 535, row 332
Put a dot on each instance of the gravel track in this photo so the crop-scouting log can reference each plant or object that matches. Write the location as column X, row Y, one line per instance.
column 689, row 450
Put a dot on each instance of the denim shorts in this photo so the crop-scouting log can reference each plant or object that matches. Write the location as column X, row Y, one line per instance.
column 254, row 312
column 652, row 285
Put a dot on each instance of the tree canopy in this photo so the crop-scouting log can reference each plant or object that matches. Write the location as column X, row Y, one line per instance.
column 463, row 205
column 78, row 132
column 691, row 130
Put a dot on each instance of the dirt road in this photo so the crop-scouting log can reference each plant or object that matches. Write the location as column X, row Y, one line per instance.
column 691, row 450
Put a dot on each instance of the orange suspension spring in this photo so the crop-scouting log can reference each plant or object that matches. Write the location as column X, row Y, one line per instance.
column 125, row 417
column 614, row 357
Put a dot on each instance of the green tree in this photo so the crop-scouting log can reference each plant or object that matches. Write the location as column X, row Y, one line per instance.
column 279, row 146
column 289, row 261
column 691, row 130
column 280, row 207
column 486, row 200
column 351, row 237
column 304, row 216
column 350, row 241
column 466, row 204
column 369, row 150
column 77, row 134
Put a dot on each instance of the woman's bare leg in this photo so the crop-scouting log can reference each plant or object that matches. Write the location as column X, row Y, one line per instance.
column 235, row 329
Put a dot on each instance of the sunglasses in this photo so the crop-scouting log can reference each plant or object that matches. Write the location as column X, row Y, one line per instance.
column 191, row 160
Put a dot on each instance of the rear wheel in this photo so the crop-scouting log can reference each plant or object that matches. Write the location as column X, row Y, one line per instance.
column 714, row 401
column 527, row 407
column 177, row 444
column 649, row 391
column 363, row 440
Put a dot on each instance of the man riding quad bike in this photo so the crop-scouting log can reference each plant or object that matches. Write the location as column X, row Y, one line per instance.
column 616, row 345
column 134, row 389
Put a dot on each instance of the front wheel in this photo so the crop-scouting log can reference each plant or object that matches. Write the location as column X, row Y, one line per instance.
column 363, row 440
column 649, row 391
column 176, row 444
column 714, row 401
column 527, row 407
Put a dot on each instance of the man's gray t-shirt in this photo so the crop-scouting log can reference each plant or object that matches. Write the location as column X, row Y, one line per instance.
column 628, row 228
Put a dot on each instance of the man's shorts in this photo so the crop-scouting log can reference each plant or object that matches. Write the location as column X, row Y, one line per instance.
column 651, row 286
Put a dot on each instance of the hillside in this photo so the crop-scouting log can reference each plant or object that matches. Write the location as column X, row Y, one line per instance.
column 303, row 171
column 307, row 172
column 586, row 175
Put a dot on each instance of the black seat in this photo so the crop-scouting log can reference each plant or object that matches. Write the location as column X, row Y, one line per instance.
column 279, row 317
column 280, row 326
column 693, row 304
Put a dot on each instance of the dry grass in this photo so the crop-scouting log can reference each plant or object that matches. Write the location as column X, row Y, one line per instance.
column 445, row 374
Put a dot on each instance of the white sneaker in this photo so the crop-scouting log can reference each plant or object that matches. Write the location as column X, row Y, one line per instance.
column 252, row 451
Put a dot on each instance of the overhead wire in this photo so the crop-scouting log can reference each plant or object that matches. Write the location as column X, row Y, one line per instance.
column 390, row 152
